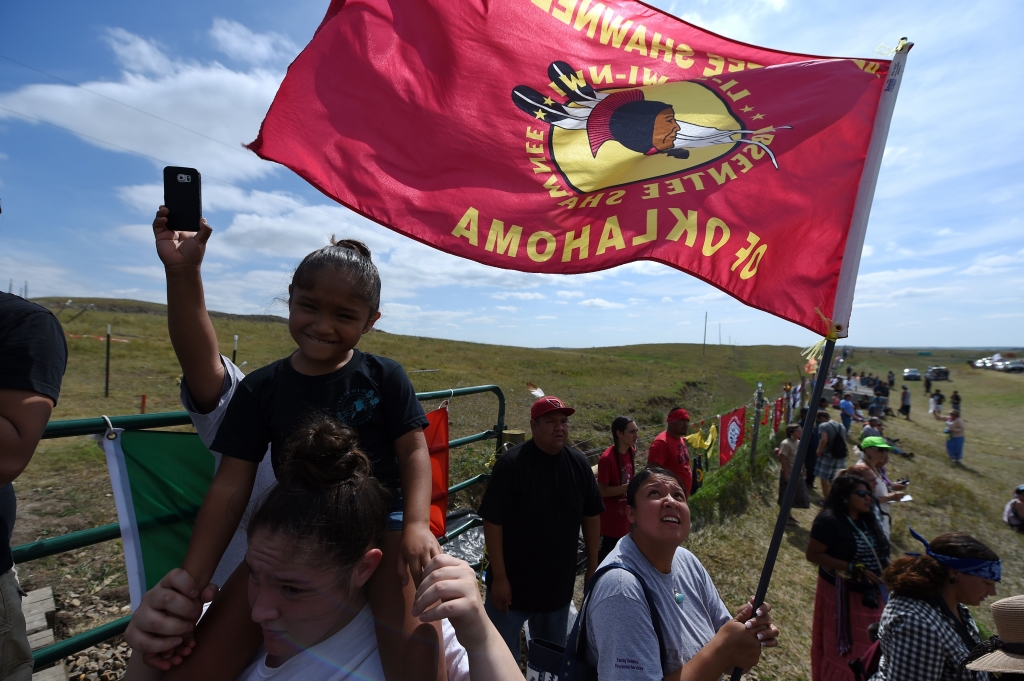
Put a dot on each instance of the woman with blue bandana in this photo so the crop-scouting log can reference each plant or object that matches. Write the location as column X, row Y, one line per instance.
column 926, row 629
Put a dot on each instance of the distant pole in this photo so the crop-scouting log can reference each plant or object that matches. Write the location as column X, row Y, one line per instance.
column 704, row 347
column 106, row 380
column 26, row 289
column 234, row 353
column 758, row 404
column 10, row 286
column 142, row 408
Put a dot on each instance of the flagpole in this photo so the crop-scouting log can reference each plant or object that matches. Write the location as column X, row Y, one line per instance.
column 794, row 480
column 843, row 307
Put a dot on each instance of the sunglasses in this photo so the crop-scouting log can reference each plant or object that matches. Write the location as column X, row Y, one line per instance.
column 862, row 493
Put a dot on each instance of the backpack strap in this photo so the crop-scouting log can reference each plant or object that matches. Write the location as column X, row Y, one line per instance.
column 576, row 645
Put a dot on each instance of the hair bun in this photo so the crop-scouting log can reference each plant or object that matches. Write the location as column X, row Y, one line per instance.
column 325, row 453
column 351, row 244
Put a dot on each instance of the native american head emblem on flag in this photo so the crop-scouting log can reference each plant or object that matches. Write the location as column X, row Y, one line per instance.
column 605, row 138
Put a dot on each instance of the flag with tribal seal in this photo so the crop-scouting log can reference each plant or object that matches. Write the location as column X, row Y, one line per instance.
column 571, row 136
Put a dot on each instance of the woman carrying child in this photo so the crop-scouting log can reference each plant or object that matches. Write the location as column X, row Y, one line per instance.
column 333, row 300
column 314, row 544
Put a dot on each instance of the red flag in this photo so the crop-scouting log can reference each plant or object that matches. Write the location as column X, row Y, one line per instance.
column 777, row 414
column 436, row 434
column 764, row 418
column 572, row 136
column 733, row 428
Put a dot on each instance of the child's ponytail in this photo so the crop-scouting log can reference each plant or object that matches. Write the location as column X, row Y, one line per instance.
column 346, row 258
column 327, row 501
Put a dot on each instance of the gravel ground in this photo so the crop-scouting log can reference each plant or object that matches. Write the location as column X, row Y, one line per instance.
column 105, row 662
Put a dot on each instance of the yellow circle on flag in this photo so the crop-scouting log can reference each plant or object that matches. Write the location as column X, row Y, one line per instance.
column 616, row 165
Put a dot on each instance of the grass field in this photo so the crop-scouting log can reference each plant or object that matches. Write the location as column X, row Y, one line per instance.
column 65, row 488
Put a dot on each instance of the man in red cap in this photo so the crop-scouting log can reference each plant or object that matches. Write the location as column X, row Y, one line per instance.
column 540, row 493
column 669, row 449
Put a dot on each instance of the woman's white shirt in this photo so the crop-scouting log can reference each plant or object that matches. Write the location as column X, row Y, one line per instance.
column 350, row 654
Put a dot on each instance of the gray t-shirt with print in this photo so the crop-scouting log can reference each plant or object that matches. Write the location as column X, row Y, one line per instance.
column 621, row 642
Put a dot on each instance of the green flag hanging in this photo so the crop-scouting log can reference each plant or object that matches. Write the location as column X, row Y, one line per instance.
column 159, row 482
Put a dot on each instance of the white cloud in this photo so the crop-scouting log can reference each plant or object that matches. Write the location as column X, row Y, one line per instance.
column 636, row 301
column 241, row 44
column 545, row 316
column 155, row 272
column 507, row 308
column 989, row 263
column 666, row 299
column 224, row 107
column 885, row 278
column 867, row 251
column 517, row 295
column 600, row 303
column 646, row 267
column 138, row 54
column 706, row 298
column 570, row 294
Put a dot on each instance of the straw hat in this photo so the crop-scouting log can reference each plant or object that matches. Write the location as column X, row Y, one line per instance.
column 1009, row 617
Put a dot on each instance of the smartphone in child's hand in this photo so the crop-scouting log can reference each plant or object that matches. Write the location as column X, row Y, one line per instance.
column 183, row 197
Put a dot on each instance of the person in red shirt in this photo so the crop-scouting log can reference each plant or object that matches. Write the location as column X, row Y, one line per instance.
column 615, row 469
column 669, row 449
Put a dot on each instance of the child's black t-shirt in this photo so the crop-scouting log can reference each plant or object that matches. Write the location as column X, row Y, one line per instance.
column 371, row 394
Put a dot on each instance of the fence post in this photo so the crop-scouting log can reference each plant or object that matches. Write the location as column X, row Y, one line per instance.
column 106, row 378
column 758, row 404
column 234, row 352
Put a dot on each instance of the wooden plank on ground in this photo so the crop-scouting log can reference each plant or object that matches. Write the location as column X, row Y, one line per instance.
column 55, row 673
column 46, row 593
column 40, row 639
column 39, row 608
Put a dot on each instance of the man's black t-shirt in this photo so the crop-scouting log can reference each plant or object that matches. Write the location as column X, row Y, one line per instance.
column 33, row 356
column 371, row 394
column 540, row 500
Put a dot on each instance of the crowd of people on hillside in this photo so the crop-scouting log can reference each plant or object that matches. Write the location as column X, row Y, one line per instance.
column 334, row 573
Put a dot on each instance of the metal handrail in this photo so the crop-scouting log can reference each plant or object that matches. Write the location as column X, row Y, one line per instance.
column 96, row 535
column 94, row 426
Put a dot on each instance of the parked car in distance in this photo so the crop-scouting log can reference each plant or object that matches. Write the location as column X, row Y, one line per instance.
column 911, row 375
column 937, row 373
column 1014, row 367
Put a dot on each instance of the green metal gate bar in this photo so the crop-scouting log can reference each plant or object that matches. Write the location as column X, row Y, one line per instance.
column 96, row 535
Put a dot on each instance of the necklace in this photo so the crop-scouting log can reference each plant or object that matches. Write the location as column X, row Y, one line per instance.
column 678, row 596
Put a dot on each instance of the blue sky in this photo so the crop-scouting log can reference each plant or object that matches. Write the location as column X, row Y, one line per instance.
column 941, row 267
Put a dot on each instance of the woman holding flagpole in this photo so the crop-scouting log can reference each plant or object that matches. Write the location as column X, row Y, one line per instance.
column 694, row 625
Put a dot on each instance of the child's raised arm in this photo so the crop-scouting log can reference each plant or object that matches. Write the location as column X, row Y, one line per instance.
column 192, row 335
column 219, row 517
column 418, row 545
